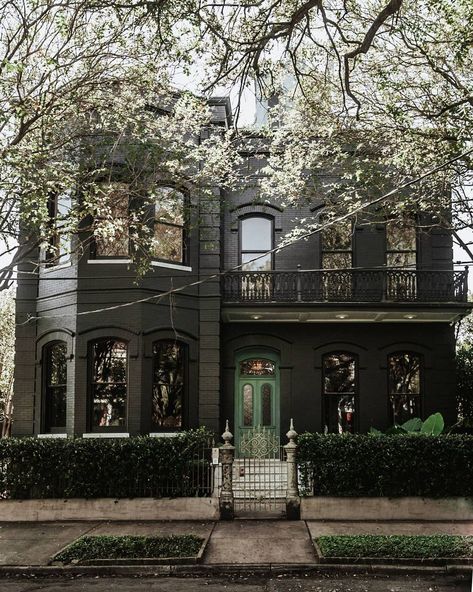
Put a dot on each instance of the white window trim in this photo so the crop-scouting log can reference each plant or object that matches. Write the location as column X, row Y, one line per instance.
column 164, row 434
column 108, row 261
column 171, row 265
column 47, row 436
column 49, row 268
column 106, row 435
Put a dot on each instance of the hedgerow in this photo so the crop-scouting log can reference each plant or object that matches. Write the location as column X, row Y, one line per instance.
column 394, row 466
column 130, row 547
column 434, row 546
column 32, row 468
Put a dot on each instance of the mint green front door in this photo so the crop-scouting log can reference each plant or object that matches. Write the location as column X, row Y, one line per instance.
column 257, row 397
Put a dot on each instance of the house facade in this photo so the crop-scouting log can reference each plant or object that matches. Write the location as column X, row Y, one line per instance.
column 349, row 329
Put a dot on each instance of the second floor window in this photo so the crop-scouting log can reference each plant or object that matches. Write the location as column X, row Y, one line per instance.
column 170, row 225
column 109, row 383
column 112, row 232
column 59, row 248
column 401, row 245
column 337, row 249
column 256, row 239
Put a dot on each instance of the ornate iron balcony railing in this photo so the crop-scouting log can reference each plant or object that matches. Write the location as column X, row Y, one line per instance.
column 345, row 285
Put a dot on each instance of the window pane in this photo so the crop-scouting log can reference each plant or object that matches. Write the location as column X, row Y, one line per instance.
column 168, row 384
column 257, row 367
column 56, row 386
column 340, row 414
column 400, row 260
column 112, row 224
column 400, row 237
column 266, row 405
column 404, row 407
column 261, row 264
column 339, row 373
column 256, row 234
column 404, row 374
column 338, row 236
column 168, row 243
column 109, row 383
column 109, row 405
column 336, row 260
column 169, row 205
column 247, row 405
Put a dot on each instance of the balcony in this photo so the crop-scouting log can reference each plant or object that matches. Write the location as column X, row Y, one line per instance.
column 351, row 286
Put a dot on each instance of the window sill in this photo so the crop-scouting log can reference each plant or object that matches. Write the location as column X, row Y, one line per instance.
column 106, row 435
column 47, row 436
column 50, row 268
column 171, row 265
column 109, row 261
column 163, row 434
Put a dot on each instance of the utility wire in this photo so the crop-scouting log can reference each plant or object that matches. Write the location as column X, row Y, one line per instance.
column 277, row 249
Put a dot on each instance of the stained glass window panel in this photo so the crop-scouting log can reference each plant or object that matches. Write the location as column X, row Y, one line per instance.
column 266, row 405
column 257, row 367
column 247, row 405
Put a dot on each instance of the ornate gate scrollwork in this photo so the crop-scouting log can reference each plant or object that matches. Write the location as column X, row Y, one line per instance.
column 259, row 442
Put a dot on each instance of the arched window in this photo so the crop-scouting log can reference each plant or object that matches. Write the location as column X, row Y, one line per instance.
column 108, row 383
column 55, row 387
column 169, row 382
column 256, row 238
column 170, row 233
column 404, row 386
column 340, row 391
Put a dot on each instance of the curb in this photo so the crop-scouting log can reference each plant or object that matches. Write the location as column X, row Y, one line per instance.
column 195, row 570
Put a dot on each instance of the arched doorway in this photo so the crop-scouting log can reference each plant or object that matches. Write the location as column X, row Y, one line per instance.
column 256, row 394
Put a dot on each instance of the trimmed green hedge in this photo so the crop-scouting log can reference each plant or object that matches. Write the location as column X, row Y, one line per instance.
column 130, row 547
column 32, row 468
column 394, row 466
column 434, row 546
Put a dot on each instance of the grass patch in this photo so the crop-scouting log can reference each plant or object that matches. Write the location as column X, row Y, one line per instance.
column 130, row 547
column 436, row 546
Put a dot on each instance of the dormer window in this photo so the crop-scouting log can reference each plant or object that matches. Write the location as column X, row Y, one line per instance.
column 170, row 241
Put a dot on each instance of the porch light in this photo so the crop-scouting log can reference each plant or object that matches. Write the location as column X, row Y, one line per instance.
column 341, row 316
column 255, row 317
column 410, row 316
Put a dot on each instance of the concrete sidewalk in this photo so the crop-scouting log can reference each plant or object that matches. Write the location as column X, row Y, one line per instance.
column 249, row 542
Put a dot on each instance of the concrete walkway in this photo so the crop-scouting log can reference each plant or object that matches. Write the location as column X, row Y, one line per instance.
column 252, row 542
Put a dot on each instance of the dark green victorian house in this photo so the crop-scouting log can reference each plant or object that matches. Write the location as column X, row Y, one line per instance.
column 350, row 329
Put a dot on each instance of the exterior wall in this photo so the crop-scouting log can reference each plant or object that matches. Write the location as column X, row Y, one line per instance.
column 301, row 347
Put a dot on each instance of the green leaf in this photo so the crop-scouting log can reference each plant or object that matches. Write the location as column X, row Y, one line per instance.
column 433, row 425
column 376, row 432
column 395, row 429
column 412, row 425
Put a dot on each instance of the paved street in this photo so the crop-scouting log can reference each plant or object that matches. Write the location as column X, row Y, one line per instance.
column 355, row 583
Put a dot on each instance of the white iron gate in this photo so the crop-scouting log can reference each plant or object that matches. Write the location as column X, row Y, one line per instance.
column 260, row 473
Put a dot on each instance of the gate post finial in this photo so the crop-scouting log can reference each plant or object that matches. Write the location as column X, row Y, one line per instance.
column 293, row 501
column 226, row 458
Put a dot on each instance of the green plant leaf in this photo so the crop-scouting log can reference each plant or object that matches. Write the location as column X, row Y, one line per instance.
column 412, row 425
column 376, row 432
column 433, row 425
column 395, row 429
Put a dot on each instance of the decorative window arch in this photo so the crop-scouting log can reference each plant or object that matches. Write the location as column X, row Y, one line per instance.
column 340, row 391
column 404, row 385
column 170, row 225
column 170, row 358
column 54, row 387
column 108, row 383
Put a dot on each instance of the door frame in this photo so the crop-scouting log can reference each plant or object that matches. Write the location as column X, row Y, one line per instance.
column 245, row 355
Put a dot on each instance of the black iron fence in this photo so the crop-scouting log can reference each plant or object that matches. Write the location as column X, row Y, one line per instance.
column 346, row 285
